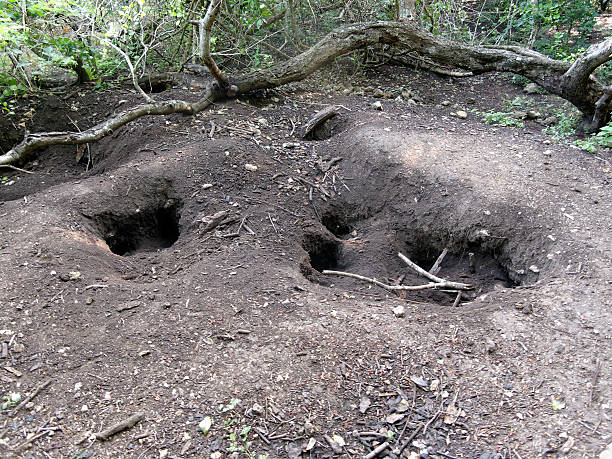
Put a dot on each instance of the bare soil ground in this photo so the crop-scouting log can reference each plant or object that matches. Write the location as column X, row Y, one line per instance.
column 168, row 279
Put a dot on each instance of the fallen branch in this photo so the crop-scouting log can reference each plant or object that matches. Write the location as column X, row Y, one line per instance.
column 440, row 283
column 376, row 451
column 34, row 142
column 16, row 168
column 318, row 119
column 120, row 426
column 435, row 269
column 28, row 399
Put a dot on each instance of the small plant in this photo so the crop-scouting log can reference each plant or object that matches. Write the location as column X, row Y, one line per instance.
column 604, row 136
column 501, row 119
column 565, row 127
column 10, row 400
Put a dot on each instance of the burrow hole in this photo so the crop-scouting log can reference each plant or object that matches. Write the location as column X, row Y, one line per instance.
column 323, row 253
column 145, row 229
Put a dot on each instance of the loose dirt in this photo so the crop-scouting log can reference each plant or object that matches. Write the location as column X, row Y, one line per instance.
column 164, row 275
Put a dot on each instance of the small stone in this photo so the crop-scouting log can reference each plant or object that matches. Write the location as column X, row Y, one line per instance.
column 163, row 453
column 18, row 348
column 531, row 88
column 471, row 100
column 462, row 115
column 206, row 186
column 257, row 409
column 216, row 455
column 399, row 311
column 520, row 115
column 294, row 451
column 445, row 103
column 263, row 122
column 550, row 121
column 364, row 404
column 407, row 94
column 534, row 269
column 606, row 453
column 378, row 92
column 250, row 167
column 533, row 115
column 491, row 346
column 377, row 106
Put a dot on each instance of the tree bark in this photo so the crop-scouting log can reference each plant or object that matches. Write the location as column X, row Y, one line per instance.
column 573, row 82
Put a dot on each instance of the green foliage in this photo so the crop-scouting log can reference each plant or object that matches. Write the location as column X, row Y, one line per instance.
column 559, row 28
column 566, row 126
column 501, row 119
column 604, row 136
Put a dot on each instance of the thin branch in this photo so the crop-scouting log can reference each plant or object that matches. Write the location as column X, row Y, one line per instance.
column 128, row 61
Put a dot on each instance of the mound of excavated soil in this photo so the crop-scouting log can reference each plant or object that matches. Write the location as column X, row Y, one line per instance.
column 171, row 280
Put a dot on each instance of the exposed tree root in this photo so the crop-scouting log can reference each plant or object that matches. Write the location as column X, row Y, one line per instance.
column 573, row 82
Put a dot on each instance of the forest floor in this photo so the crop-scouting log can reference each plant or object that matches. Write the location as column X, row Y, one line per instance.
column 163, row 275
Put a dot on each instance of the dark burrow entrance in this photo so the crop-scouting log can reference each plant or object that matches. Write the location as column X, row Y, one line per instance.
column 142, row 230
column 367, row 248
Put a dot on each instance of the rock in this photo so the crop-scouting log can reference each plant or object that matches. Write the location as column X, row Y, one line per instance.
column 520, row 115
column 257, row 409
column 606, row 453
column 293, row 451
column 533, row 115
column 491, row 346
column 445, row 103
column 411, row 102
column 462, row 115
column 406, row 94
column 378, row 92
column 250, row 167
column 550, row 121
column 263, row 122
column 470, row 100
column 399, row 311
column 534, row 269
column 531, row 88
column 18, row 348
column 364, row 404
column 216, row 455
column 377, row 106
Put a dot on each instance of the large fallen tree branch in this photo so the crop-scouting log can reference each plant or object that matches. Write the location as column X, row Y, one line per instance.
column 574, row 83
column 436, row 282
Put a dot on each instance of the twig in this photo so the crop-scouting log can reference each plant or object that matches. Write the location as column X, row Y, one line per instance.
column 440, row 453
column 435, row 269
column 120, row 426
column 433, row 418
column 594, row 383
column 9, row 166
column 28, row 399
column 95, row 286
column 34, row 438
column 457, row 299
column 379, row 449
column 273, row 225
column 442, row 283
column 445, row 284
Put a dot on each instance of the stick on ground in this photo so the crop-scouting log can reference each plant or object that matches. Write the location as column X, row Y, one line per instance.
column 120, row 426
column 31, row 397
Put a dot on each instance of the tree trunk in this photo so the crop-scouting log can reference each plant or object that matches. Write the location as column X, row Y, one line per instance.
column 573, row 82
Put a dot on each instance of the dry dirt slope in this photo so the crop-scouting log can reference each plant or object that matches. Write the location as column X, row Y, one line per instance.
column 187, row 318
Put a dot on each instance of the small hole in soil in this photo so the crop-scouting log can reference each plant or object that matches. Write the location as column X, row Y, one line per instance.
column 144, row 230
column 336, row 224
column 323, row 251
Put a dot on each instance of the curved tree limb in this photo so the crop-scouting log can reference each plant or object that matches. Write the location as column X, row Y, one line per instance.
column 571, row 82
column 34, row 142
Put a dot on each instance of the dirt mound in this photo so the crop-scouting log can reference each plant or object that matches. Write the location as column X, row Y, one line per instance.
column 173, row 280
